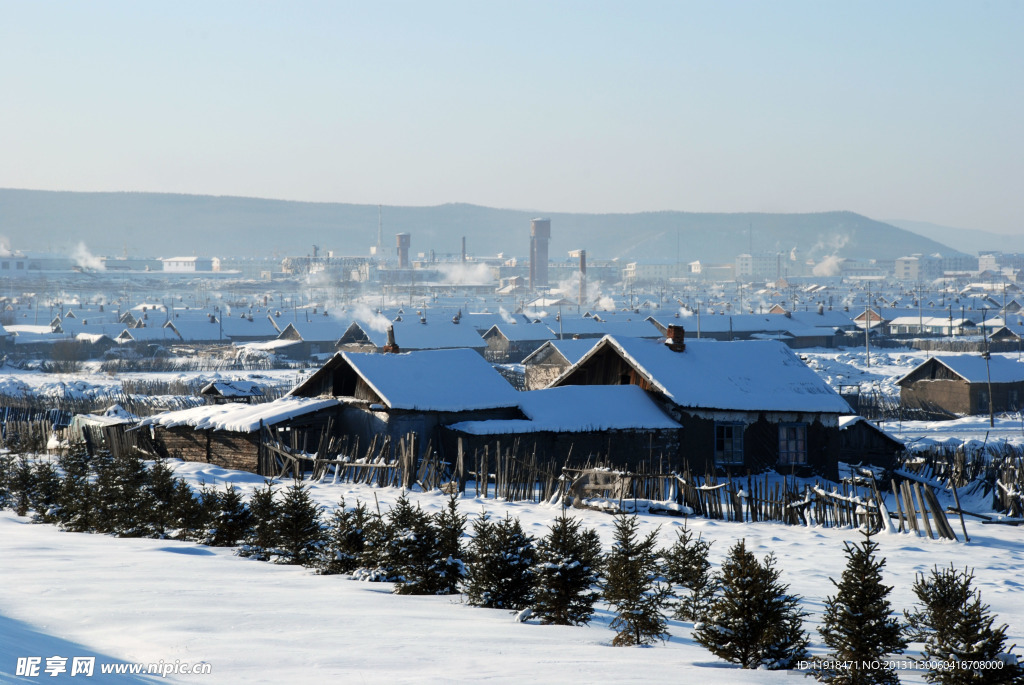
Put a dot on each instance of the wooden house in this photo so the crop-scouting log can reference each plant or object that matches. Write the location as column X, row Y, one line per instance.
column 390, row 396
column 220, row 392
column 512, row 343
column 749, row 405
column 959, row 385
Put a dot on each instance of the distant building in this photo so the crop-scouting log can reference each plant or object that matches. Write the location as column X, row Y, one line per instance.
column 191, row 264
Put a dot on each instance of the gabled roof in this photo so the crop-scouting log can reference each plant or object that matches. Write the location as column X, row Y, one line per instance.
column 972, row 368
column 748, row 375
column 520, row 332
column 232, row 389
column 570, row 350
column 427, row 380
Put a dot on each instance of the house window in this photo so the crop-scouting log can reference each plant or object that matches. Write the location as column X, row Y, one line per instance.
column 728, row 444
column 793, row 443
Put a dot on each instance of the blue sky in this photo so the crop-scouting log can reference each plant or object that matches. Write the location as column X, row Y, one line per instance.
column 896, row 110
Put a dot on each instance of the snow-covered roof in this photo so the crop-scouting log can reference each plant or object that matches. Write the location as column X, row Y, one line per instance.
column 571, row 350
column 232, row 389
column 434, row 380
column 521, row 332
column 577, row 409
column 846, row 422
column 747, row 375
column 973, row 369
column 241, row 418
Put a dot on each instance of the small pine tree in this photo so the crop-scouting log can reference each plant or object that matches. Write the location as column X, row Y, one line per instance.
column 450, row 527
column 230, row 518
column 161, row 485
column 858, row 624
column 77, row 493
column 7, row 466
column 411, row 554
column 955, row 625
column 568, row 567
column 687, row 567
column 45, row 493
column 191, row 511
column 345, row 539
column 125, row 503
column 261, row 541
column 300, row 527
column 753, row 620
column 499, row 574
column 633, row 585
column 21, row 483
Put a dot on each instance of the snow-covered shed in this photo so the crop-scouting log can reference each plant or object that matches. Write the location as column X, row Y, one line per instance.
column 229, row 435
column 745, row 405
column 861, row 442
column 618, row 423
column 231, row 391
column 959, row 384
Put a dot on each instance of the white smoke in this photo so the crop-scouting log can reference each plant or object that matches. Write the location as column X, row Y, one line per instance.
column 86, row 259
column 505, row 316
column 466, row 274
column 685, row 312
column 377, row 322
column 605, row 304
column 829, row 266
column 5, row 246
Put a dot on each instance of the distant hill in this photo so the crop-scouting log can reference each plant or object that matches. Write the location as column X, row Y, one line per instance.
column 165, row 225
column 967, row 240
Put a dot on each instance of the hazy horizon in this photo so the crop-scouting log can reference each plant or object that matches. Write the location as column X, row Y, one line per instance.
column 886, row 110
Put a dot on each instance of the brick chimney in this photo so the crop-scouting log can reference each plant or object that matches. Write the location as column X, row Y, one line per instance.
column 392, row 346
column 675, row 338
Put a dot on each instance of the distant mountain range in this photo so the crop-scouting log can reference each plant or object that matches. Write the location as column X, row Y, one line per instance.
column 165, row 225
column 966, row 240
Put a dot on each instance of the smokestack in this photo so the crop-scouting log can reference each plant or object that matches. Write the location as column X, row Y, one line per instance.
column 540, row 234
column 392, row 346
column 402, row 242
column 583, row 277
column 463, row 249
column 675, row 339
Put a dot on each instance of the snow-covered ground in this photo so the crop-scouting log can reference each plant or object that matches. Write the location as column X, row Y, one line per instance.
column 131, row 600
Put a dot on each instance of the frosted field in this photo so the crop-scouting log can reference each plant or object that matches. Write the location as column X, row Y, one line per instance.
column 140, row 600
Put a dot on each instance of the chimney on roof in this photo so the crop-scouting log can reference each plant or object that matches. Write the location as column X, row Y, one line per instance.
column 392, row 346
column 675, row 338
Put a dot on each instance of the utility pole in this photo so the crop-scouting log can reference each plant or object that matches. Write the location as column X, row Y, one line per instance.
column 988, row 372
column 867, row 329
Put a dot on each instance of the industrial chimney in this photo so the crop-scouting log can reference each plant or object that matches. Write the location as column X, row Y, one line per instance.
column 402, row 241
column 540, row 234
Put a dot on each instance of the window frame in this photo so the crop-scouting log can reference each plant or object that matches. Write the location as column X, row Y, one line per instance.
column 793, row 448
column 736, row 439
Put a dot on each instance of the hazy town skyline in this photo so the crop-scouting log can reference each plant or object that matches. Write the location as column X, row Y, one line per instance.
column 903, row 110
